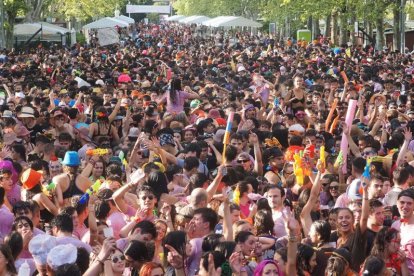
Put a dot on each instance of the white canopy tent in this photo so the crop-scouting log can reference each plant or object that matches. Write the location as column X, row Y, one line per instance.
column 127, row 19
column 213, row 21
column 195, row 19
column 47, row 29
column 232, row 21
column 106, row 22
column 175, row 18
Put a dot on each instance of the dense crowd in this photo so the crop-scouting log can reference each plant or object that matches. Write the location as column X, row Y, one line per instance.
column 231, row 154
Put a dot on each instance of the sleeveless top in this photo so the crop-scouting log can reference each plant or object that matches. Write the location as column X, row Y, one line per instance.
column 72, row 189
column 99, row 135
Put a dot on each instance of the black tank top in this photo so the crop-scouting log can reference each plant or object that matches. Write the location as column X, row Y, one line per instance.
column 72, row 189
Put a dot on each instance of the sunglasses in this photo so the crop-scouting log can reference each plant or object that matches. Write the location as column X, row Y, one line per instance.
column 243, row 161
column 333, row 188
column 149, row 197
column 364, row 153
column 115, row 259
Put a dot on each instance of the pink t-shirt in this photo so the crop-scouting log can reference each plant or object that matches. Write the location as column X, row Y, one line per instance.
column 178, row 106
column 80, row 231
column 116, row 220
column 6, row 218
column 74, row 241
column 14, row 195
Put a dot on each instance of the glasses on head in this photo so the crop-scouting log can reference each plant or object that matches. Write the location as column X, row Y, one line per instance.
column 243, row 161
column 365, row 153
column 115, row 259
column 150, row 197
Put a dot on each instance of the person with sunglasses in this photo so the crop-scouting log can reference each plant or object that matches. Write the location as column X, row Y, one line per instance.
column 387, row 247
column 116, row 263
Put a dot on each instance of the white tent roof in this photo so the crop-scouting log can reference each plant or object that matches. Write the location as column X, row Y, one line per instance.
column 31, row 28
column 106, row 22
column 126, row 19
column 215, row 20
column 195, row 19
column 232, row 21
column 175, row 18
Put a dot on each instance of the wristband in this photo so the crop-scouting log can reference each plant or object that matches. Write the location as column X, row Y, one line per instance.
column 292, row 238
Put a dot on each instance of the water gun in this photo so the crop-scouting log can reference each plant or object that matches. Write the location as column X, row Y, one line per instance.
column 291, row 151
column 298, row 169
column 121, row 156
column 367, row 169
column 339, row 160
column 51, row 186
column 276, row 103
column 92, row 189
column 322, row 158
column 92, row 152
column 46, row 189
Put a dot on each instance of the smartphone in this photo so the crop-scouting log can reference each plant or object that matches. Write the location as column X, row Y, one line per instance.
column 108, row 232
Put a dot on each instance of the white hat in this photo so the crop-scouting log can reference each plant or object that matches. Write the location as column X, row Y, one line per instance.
column 133, row 132
column 7, row 114
column 297, row 128
column 40, row 246
column 20, row 95
column 241, row 68
column 27, row 112
column 100, row 82
column 62, row 254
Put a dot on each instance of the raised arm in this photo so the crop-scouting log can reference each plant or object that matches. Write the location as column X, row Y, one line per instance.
column 352, row 146
column 212, row 188
column 305, row 215
column 363, row 221
column 119, row 195
column 112, row 116
column 292, row 247
column 258, row 164
column 407, row 139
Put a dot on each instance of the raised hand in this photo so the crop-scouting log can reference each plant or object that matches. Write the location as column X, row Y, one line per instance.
column 408, row 135
column 174, row 258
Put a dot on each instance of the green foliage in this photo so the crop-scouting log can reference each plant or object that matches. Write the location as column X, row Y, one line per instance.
column 86, row 9
column 80, row 38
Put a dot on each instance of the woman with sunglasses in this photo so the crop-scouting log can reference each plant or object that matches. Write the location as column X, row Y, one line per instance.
column 116, row 264
column 387, row 247
column 329, row 195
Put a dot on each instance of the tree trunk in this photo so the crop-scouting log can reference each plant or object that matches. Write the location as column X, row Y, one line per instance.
column 379, row 39
column 334, row 34
column 396, row 41
column 328, row 25
column 316, row 28
column 352, row 34
column 343, row 29
column 2, row 34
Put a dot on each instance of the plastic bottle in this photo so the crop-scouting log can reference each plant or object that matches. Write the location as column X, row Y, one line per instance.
column 24, row 269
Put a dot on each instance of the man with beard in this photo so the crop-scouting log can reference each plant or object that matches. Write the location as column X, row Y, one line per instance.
column 375, row 188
